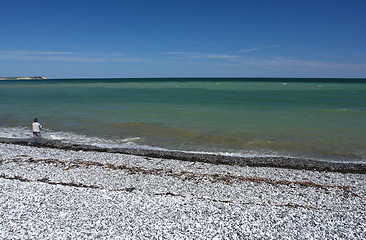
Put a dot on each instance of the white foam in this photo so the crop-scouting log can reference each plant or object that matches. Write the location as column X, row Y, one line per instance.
column 69, row 137
column 246, row 154
column 15, row 132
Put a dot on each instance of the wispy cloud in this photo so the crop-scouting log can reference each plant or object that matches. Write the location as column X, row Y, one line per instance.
column 238, row 61
column 65, row 56
column 18, row 53
column 235, row 61
column 198, row 55
column 256, row 49
column 283, row 63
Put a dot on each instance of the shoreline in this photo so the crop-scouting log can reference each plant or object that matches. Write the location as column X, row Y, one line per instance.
column 265, row 161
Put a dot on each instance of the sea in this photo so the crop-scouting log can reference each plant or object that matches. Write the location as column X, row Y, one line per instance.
column 323, row 119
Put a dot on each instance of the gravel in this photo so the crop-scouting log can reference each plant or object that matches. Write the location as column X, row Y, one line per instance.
column 57, row 194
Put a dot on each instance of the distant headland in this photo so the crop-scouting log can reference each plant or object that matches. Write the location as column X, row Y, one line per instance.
column 22, row 78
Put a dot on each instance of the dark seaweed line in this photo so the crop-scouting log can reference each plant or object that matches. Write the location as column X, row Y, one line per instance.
column 184, row 175
column 130, row 190
column 69, row 184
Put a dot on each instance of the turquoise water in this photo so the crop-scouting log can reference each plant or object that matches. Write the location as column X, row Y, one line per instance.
column 322, row 119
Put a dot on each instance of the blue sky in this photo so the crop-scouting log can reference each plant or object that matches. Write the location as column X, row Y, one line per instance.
column 261, row 38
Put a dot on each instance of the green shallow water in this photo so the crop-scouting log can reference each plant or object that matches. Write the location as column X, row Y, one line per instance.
column 318, row 119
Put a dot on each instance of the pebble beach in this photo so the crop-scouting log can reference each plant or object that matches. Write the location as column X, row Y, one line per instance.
column 50, row 193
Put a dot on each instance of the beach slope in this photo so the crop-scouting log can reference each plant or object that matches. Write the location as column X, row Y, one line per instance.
column 49, row 193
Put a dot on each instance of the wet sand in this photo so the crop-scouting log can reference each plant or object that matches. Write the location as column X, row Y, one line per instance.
column 268, row 161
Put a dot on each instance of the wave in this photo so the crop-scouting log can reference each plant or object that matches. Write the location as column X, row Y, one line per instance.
column 130, row 142
column 250, row 148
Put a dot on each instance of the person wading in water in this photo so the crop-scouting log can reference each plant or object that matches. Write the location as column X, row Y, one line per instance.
column 37, row 131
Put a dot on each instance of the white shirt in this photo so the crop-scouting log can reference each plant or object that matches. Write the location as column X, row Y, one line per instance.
column 36, row 127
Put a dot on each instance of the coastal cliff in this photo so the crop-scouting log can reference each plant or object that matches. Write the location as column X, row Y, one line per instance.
column 22, row 78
